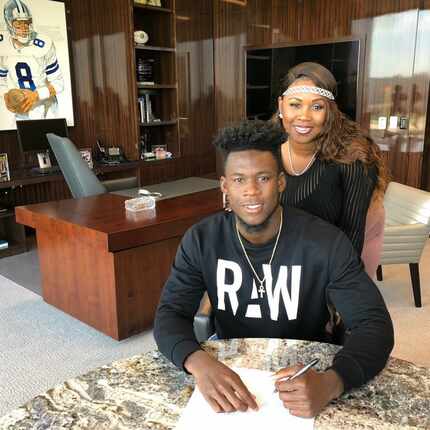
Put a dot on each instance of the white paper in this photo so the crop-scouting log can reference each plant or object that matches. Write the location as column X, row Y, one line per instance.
column 271, row 414
column 393, row 122
column 382, row 122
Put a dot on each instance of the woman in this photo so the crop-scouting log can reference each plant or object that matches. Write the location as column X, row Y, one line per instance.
column 333, row 169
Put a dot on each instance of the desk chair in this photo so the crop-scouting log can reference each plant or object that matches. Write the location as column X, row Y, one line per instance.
column 81, row 180
column 407, row 227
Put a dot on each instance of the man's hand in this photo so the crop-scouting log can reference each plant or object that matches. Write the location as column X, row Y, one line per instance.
column 221, row 387
column 307, row 395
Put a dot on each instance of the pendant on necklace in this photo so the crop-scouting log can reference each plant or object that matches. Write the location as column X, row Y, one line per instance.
column 261, row 289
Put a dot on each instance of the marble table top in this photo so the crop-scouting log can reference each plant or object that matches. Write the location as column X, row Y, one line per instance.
column 147, row 392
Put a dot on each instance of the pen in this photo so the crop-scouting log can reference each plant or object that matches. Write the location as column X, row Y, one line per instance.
column 149, row 193
column 298, row 373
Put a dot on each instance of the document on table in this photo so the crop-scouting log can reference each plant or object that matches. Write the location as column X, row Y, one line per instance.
column 271, row 413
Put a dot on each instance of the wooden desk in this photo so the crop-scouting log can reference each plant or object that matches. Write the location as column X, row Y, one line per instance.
column 23, row 177
column 147, row 392
column 105, row 266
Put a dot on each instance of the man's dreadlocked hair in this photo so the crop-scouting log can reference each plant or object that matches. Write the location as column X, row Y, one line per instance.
column 251, row 135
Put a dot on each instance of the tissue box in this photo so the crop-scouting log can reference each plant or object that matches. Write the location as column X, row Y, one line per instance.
column 140, row 204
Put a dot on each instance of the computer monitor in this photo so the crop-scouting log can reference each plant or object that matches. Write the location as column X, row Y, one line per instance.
column 32, row 136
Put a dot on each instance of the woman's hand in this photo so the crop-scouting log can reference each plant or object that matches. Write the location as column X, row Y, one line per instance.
column 221, row 387
column 307, row 395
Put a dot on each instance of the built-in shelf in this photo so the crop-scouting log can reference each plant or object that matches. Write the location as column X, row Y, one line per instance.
column 257, row 87
column 251, row 115
column 154, row 8
column 258, row 57
column 159, row 100
column 158, row 123
column 156, row 86
column 154, row 48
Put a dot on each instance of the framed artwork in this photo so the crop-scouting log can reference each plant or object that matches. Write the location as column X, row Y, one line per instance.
column 86, row 156
column 4, row 168
column 35, row 80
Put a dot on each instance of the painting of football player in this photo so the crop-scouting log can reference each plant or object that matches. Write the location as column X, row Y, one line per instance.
column 30, row 75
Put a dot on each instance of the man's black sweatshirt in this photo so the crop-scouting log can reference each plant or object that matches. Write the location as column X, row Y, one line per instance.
column 314, row 265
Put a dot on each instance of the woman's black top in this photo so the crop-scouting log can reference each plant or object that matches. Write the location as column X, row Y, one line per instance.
column 336, row 192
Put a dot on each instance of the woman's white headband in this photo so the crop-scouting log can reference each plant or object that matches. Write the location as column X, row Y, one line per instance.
column 306, row 89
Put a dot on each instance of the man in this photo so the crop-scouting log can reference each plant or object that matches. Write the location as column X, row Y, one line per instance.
column 30, row 76
column 270, row 272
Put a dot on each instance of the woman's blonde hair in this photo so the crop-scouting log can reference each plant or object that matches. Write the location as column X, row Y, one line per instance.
column 341, row 139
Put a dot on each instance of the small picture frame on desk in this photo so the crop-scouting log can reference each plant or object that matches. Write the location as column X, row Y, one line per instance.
column 160, row 151
column 87, row 156
column 4, row 168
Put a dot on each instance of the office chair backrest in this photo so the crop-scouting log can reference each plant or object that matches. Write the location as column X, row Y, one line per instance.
column 79, row 177
column 406, row 205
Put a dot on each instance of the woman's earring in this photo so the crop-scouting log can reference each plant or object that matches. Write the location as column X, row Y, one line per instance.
column 280, row 115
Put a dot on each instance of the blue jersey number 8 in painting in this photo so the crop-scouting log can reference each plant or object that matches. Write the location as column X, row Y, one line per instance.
column 25, row 79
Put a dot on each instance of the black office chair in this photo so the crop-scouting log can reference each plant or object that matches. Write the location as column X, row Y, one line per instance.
column 204, row 326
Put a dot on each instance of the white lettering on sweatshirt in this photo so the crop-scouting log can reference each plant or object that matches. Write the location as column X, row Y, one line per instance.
column 273, row 294
column 229, row 289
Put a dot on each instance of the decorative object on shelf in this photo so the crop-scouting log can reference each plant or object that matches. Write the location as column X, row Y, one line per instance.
column 4, row 168
column 145, row 71
column 161, row 152
column 145, row 144
column 145, row 107
column 141, row 37
column 87, row 156
column 44, row 160
column 149, row 2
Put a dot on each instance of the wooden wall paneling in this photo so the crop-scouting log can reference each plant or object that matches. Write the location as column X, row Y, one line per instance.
column 323, row 19
column 195, row 68
column 409, row 4
column 118, row 95
column 105, row 75
column 414, row 169
column 259, row 18
column 287, row 17
column 9, row 144
column 84, row 133
column 230, row 36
